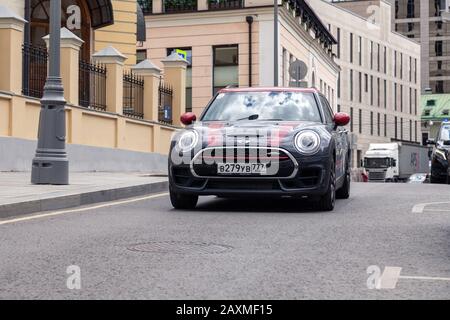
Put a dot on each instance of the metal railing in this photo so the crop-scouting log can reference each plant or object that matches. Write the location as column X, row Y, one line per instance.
column 133, row 95
column 225, row 4
column 146, row 6
column 165, row 103
column 34, row 70
column 92, row 85
column 176, row 6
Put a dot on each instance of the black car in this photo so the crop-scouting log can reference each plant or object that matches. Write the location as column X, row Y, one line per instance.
column 440, row 170
column 262, row 142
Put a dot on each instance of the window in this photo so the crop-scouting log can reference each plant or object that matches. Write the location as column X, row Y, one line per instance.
column 371, row 123
column 410, row 69
column 410, row 101
column 378, row 93
column 385, row 125
column 226, row 66
column 371, row 55
column 351, row 85
column 415, row 131
column 351, row 47
column 401, row 128
column 360, row 87
column 339, row 86
column 371, row 90
column 366, row 78
column 351, row 119
column 360, row 51
column 395, row 96
column 360, row 121
column 141, row 55
column 293, row 106
column 410, row 131
column 385, row 94
column 395, row 63
column 401, row 65
column 339, row 43
column 385, row 60
column 378, row 57
column 188, row 52
column 415, row 102
column 401, row 98
column 338, row 108
column 396, row 128
column 378, row 124
column 326, row 110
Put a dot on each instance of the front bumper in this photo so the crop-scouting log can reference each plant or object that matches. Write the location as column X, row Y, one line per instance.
column 310, row 178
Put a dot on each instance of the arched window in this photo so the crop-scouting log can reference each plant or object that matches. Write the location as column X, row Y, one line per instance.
column 75, row 16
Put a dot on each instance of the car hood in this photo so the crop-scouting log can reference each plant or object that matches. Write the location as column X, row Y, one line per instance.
column 251, row 132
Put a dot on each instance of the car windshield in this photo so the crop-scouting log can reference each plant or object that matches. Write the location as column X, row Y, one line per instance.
column 377, row 162
column 445, row 133
column 258, row 106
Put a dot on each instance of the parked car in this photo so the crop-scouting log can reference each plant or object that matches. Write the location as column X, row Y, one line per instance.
column 262, row 141
column 418, row 178
column 440, row 169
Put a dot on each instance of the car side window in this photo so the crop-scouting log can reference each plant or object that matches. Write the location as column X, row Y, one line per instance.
column 326, row 110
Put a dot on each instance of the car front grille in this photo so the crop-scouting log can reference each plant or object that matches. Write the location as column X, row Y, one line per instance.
column 377, row 175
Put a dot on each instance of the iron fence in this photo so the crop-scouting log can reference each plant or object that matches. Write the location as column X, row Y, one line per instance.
column 34, row 70
column 165, row 103
column 92, row 85
column 225, row 4
column 133, row 95
column 175, row 6
column 146, row 6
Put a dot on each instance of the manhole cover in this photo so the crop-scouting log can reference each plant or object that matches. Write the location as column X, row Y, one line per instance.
column 180, row 247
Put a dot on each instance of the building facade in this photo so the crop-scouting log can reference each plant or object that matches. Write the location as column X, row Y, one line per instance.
column 124, row 113
column 379, row 85
column 232, row 43
column 427, row 22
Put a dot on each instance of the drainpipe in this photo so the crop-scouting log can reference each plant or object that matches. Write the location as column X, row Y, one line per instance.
column 26, row 41
column 250, row 51
column 275, row 29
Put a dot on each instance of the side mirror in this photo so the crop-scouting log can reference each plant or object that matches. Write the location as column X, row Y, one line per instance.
column 188, row 118
column 341, row 119
column 431, row 142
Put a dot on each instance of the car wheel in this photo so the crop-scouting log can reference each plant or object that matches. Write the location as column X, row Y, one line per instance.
column 344, row 191
column 182, row 201
column 328, row 200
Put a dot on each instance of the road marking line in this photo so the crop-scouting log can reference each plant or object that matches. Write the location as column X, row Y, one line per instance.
column 420, row 208
column 57, row 213
column 424, row 278
column 389, row 278
column 436, row 210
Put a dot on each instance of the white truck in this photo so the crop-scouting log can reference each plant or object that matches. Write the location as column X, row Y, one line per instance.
column 396, row 161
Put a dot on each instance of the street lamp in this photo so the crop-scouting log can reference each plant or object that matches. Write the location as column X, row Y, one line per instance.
column 50, row 164
column 275, row 44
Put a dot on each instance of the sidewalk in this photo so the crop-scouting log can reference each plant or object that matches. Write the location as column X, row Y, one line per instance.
column 19, row 197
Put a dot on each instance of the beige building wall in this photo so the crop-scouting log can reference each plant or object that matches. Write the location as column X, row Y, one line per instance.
column 202, row 31
column 376, row 30
column 122, row 34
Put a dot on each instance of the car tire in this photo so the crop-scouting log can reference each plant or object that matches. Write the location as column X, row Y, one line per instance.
column 434, row 180
column 182, row 201
column 344, row 191
column 328, row 200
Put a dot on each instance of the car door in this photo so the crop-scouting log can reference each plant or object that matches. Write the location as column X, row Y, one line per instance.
column 338, row 136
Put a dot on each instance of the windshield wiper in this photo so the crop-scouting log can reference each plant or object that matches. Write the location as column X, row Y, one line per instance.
column 252, row 117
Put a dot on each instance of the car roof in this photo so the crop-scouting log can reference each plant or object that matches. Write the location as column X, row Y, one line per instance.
column 266, row 89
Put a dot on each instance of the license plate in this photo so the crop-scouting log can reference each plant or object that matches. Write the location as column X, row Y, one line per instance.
column 241, row 168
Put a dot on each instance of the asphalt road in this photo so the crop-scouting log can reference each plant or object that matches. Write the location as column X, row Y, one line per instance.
column 235, row 249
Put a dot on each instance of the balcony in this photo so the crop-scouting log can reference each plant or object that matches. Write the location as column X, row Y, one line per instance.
column 177, row 6
column 225, row 4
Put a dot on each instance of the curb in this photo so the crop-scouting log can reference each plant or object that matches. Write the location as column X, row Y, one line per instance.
column 82, row 199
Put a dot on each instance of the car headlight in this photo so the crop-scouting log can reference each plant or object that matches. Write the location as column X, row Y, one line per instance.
column 307, row 142
column 188, row 141
column 441, row 153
